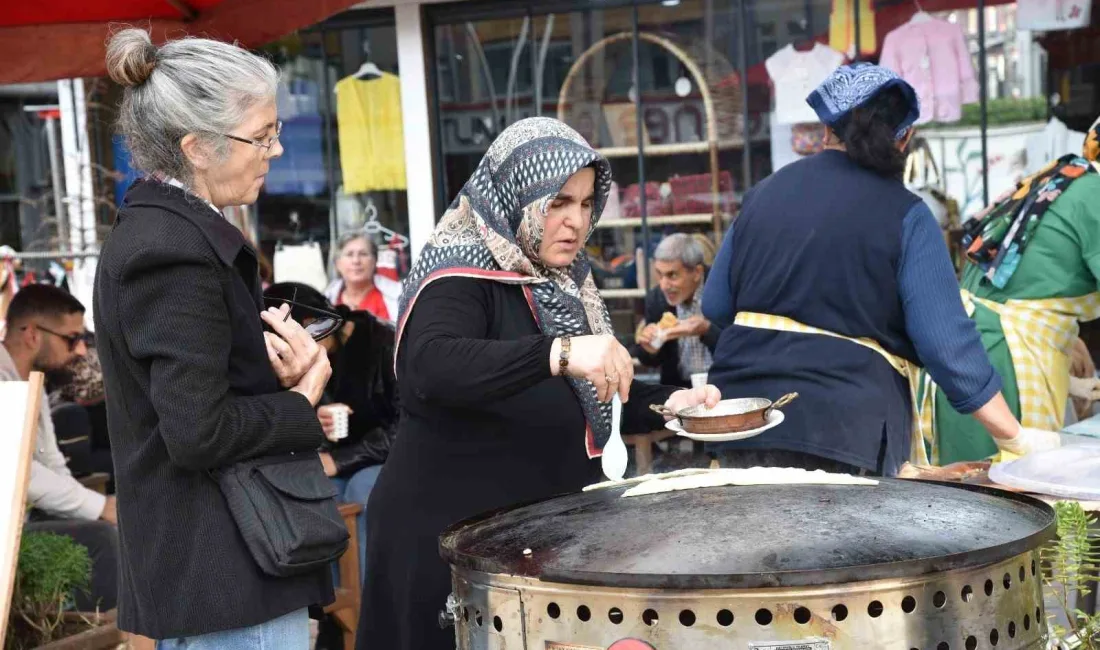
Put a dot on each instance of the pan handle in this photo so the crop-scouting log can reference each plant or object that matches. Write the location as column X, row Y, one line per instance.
column 663, row 410
column 783, row 401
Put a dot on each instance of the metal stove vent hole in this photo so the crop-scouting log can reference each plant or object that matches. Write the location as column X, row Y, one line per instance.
column 498, row 624
column 687, row 618
column 1023, row 575
column 943, row 645
column 725, row 618
column 1038, row 615
column 584, row 614
column 477, row 618
column 763, row 617
column 1033, row 568
column 552, row 610
column 840, row 612
column 466, row 614
column 994, row 637
column 908, row 604
column 1027, row 622
column 967, row 594
column 939, row 600
column 1012, row 629
column 1007, row 581
column 875, row 609
column 971, row 643
column 989, row 587
column 802, row 616
column 650, row 618
column 615, row 615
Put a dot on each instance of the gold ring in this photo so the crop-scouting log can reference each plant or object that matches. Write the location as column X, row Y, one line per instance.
column 611, row 378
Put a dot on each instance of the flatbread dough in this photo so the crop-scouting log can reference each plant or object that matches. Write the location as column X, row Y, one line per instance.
column 751, row 476
column 642, row 479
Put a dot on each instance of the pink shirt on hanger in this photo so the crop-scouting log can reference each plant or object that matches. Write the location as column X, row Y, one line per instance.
column 932, row 55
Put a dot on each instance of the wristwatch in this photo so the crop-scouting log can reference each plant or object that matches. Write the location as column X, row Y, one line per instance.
column 563, row 356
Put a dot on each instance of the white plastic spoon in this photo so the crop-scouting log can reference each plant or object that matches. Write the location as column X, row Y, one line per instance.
column 614, row 457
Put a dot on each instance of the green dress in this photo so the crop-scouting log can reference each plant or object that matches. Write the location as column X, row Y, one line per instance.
column 1061, row 261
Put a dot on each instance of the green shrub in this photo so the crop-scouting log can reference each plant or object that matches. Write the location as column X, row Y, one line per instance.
column 51, row 567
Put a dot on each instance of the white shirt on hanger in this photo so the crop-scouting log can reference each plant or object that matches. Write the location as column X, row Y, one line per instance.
column 1053, row 142
column 797, row 74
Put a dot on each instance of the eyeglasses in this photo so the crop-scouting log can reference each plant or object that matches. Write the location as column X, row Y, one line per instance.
column 72, row 339
column 320, row 327
column 268, row 144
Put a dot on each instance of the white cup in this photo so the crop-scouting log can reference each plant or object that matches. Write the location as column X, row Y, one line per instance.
column 658, row 339
column 698, row 379
column 340, row 418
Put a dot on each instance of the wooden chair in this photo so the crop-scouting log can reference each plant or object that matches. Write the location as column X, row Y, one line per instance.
column 97, row 481
column 643, row 448
column 345, row 609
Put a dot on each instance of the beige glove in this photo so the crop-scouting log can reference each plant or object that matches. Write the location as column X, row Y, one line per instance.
column 1029, row 441
column 1087, row 388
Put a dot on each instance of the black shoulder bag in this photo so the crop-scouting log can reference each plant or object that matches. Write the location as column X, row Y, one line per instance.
column 285, row 509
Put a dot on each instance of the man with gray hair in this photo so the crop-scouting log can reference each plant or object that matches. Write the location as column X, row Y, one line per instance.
column 676, row 337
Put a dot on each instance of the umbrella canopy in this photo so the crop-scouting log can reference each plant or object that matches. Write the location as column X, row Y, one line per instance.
column 59, row 39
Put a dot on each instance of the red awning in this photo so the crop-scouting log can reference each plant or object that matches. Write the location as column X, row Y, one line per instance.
column 58, row 39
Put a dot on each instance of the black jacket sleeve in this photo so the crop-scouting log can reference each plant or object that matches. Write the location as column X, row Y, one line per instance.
column 184, row 336
column 452, row 361
column 637, row 416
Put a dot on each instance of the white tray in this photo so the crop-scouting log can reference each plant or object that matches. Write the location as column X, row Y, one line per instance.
column 775, row 418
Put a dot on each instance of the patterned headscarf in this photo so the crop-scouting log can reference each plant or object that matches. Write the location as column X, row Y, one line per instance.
column 853, row 85
column 995, row 240
column 493, row 230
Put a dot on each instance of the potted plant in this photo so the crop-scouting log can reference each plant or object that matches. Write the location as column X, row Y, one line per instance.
column 1071, row 567
column 50, row 569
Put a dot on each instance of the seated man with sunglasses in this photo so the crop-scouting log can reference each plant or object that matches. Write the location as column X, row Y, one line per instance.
column 45, row 332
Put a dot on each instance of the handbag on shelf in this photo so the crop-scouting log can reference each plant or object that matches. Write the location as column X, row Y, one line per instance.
column 694, row 194
column 922, row 177
column 808, row 138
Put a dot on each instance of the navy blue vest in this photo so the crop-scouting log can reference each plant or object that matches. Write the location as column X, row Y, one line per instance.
column 820, row 242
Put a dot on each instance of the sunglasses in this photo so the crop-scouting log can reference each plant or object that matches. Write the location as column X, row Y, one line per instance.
column 72, row 340
column 323, row 324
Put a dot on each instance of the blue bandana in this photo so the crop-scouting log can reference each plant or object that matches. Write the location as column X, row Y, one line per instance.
column 853, row 85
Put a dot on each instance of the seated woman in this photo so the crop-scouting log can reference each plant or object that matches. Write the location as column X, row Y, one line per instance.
column 361, row 353
column 1034, row 258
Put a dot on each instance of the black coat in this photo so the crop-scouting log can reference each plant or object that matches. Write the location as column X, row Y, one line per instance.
column 483, row 425
column 362, row 378
column 668, row 357
column 190, row 389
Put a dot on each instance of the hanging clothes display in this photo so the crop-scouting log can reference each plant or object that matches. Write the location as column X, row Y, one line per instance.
column 301, row 168
column 372, row 144
column 932, row 55
column 1053, row 15
column 842, row 28
column 1053, row 142
column 795, row 75
column 301, row 263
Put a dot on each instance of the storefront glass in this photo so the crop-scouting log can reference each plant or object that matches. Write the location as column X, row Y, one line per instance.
column 343, row 164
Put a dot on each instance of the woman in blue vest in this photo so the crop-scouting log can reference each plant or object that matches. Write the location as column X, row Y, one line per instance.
column 834, row 281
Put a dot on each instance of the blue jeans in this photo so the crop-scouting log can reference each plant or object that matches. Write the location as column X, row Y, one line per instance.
column 357, row 490
column 288, row 632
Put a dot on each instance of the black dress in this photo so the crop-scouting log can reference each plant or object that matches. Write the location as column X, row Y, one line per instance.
column 483, row 425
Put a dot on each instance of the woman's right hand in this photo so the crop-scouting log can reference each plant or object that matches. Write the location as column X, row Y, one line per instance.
column 600, row 359
column 326, row 414
column 291, row 350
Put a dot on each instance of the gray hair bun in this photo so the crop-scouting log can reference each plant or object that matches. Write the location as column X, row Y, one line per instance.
column 131, row 57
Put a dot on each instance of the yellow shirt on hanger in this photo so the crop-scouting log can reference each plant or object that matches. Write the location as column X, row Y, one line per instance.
column 372, row 142
column 842, row 29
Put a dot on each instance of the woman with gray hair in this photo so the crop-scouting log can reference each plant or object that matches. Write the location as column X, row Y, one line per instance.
column 195, row 384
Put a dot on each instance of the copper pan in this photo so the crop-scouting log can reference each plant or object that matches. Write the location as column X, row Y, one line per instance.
column 729, row 416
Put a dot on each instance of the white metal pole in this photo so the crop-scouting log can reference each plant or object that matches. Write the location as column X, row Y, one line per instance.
column 415, row 117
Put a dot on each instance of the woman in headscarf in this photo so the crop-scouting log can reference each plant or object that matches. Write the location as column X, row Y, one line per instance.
column 837, row 285
column 505, row 365
column 1032, row 276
